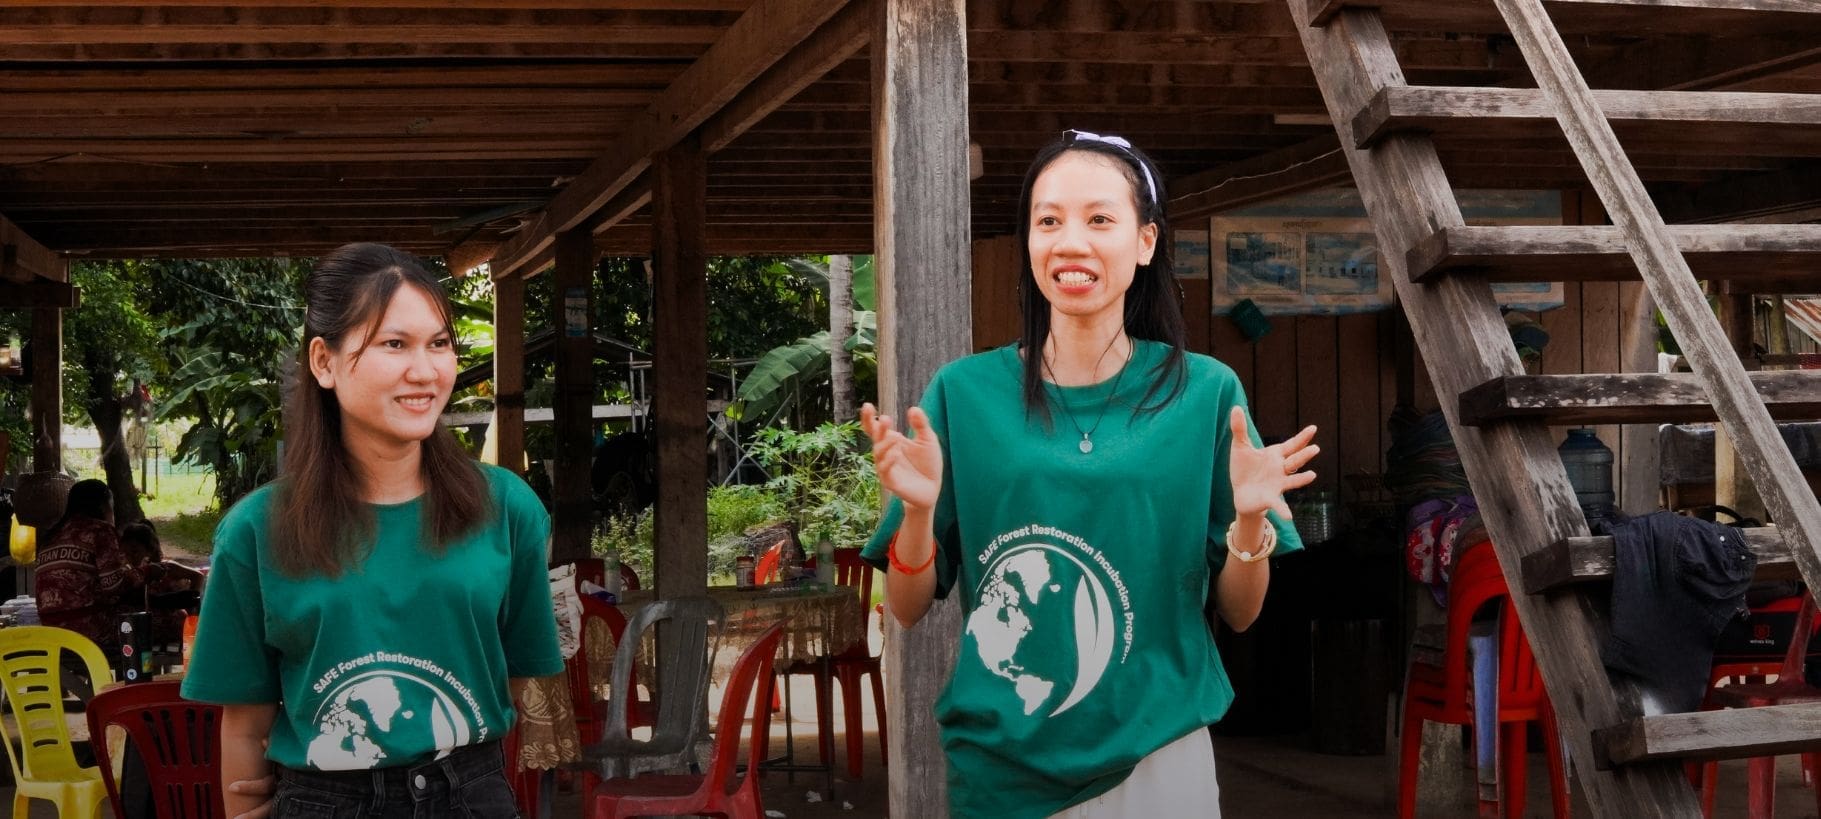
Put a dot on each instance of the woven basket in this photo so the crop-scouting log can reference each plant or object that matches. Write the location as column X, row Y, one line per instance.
column 40, row 497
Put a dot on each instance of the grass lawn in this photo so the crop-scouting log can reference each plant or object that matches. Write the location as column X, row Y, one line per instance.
column 184, row 511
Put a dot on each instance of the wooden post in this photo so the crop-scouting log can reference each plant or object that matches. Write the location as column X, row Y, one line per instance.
column 679, row 312
column 921, row 241
column 47, row 389
column 574, row 280
column 1732, row 485
column 1640, row 471
column 508, row 430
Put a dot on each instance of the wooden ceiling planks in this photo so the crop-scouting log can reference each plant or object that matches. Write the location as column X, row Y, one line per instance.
column 127, row 121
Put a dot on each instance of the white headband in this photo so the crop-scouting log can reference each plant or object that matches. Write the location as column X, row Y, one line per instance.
column 1073, row 136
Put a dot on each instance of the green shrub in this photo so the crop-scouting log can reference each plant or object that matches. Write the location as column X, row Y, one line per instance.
column 824, row 479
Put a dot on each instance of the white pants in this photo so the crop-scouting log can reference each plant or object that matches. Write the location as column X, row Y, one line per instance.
column 1175, row 780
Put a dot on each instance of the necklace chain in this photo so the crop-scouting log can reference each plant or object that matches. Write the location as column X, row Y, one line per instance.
column 1087, row 436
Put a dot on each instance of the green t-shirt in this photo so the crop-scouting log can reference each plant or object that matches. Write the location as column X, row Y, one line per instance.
column 401, row 658
column 1082, row 576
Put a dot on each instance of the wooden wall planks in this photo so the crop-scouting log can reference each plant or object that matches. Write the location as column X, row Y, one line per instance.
column 1339, row 372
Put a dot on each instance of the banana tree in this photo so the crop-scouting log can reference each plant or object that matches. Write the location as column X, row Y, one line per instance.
column 783, row 375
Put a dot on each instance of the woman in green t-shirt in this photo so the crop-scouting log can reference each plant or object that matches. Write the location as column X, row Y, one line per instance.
column 1085, row 490
column 370, row 613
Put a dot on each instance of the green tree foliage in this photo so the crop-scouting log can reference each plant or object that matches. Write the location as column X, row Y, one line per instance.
column 794, row 376
column 232, row 329
column 109, row 342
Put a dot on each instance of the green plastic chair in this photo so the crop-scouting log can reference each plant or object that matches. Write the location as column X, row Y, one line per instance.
column 31, row 680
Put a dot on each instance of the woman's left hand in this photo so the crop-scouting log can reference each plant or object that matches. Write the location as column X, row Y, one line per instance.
column 1262, row 476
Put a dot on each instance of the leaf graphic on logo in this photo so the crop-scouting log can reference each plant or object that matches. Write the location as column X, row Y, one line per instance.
column 1093, row 641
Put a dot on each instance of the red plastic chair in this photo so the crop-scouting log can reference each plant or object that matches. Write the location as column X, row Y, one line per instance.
column 1444, row 693
column 767, row 569
column 714, row 792
column 849, row 666
column 179, row 740
column 1790, row 688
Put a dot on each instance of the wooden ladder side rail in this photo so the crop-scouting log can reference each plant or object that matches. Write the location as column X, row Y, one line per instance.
column 1653, row 247
column 1530, row 503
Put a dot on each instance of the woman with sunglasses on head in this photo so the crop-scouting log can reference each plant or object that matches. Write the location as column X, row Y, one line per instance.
column 1085, row 490
column 371, row 612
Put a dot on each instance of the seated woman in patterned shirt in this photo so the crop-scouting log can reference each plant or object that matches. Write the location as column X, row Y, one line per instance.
column 82, row 571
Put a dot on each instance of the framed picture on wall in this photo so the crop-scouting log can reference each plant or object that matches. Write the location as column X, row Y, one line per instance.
column 1189, row 254
column 1297, row 266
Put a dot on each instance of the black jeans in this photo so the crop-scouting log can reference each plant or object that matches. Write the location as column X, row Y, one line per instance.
column 470, row 783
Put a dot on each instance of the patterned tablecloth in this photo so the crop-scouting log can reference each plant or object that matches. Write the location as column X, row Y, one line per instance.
column 822, row 621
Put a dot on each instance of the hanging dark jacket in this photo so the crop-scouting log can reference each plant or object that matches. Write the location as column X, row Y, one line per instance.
column 1677, row 581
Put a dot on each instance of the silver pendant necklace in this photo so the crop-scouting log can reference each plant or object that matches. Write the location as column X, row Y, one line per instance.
column 1087, row 436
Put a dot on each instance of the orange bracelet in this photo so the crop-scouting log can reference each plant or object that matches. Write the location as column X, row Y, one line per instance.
column 891, row 554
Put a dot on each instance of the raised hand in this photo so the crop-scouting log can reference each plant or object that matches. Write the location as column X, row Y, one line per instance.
column 910, row 468
column 1261, row 476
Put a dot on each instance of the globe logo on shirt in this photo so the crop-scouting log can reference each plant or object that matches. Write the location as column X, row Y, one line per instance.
column 1035, row 602
column 370, row 716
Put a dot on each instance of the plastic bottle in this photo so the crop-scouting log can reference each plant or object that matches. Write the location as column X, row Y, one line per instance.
column 1589, row 465
column 825, row 562
column 611, row 563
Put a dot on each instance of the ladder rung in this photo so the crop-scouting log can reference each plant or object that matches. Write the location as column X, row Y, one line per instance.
column 1579, row 560
column 1629, row 398
column 1729, row 734
column 1736, row 17
column 1719, row 122
column 1755, row 254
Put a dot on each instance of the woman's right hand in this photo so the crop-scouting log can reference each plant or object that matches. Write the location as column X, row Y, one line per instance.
column 265, row 786
column 910, row 468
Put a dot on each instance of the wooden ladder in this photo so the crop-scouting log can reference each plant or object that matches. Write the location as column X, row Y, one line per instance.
column 1630, row 765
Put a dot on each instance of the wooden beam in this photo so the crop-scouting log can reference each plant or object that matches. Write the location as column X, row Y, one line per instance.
column 1317, row 163
column 47, row 389
column 1631, row 398
column 23, row 259
column 758, row 40
column 507, row 433
column 1741, row 197
column 469, row 255
column 1772, row 124
column 679, row 311
column 573, row 513
column 920, row 102
column 533, row 5
column 1210, row 48
column 1709, row 63
column 1587, row 559
column 1527, row 253
column 1736, row 17
column 837, row 40
column 38, row 293
column 230, row 24
column 1409, row 196
column 479, row 49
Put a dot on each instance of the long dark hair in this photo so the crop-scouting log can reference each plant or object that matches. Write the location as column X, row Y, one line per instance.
column 87, row 499
column 1153, row 304
column 322, row 523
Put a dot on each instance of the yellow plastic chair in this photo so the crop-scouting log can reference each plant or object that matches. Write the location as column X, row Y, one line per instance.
column 31, row 679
